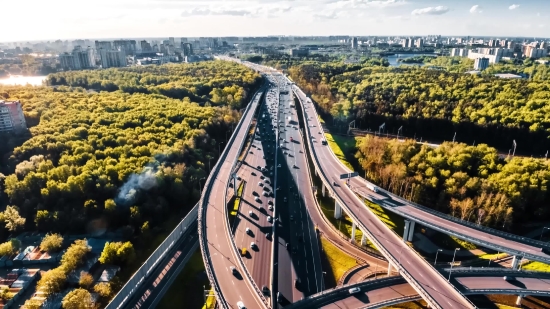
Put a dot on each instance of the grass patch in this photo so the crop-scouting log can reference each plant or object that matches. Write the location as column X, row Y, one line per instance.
column 187, row 291
column 343, row 147
column 536, row 266
column 392, row 220
column 339, row 261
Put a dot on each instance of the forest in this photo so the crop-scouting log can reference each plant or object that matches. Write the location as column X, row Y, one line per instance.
column 469, row 182
column 118, row 157
column 434, row 104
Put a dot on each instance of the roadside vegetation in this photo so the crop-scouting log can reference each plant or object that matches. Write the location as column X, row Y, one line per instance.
column 339, row 262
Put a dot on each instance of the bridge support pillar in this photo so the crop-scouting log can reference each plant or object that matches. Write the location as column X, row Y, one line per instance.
column 518, row 300
column 406, row 230
column 323, row 189
column 411, row 231
column 353, row 231
column 364, row 239
column 337, row 210
column 389, row 269
column 515, row 262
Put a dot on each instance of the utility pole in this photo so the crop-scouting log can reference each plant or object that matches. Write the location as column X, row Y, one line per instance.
column 454, row 137
column 515, row 145
column 399, row 130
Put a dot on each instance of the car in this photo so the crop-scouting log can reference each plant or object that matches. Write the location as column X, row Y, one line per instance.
column 266, row 188
column 250, row 213
column 257, row 199
column 265, row 193
column 265, row 290
column 270, row 207
column 259, row 167
column 269, row 219
column 270, row 202
column 261, row 184
column 262, row 177
column 239, row 178
column 267, row 181
column 240, row 305
column 508, row 278
column 297, row 283
column 255, row 193
column 253, row 174
column 267, row 235
column 253, row 245
column 287, row 245
column 354, row 290
column 247, row 231
column 233, row 269
column 324, row 142
column 243, row 251
column 250, row 152
column 284, row 199
column 279, row 165
column 294, row 166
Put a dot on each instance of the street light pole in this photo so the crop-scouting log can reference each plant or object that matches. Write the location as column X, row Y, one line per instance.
column 456, row 249
column 436, row 253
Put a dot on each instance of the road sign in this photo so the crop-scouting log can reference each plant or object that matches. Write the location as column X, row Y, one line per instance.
column 349, row 175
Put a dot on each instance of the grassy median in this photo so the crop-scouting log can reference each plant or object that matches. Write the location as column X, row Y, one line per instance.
column 338, row 261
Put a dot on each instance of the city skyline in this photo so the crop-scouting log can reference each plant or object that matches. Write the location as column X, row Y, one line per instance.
column 57, row 19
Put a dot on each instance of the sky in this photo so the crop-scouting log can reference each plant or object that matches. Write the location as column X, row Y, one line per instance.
column 32, row 20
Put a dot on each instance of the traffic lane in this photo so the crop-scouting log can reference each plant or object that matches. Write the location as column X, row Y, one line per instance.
column 219, row 243
column 307, row 236
column 372, row 297
column 431, row 282
column 480, row 283
column 150, row 291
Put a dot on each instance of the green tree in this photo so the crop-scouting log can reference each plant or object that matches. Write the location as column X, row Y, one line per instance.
column 52, row 281
column 86, row 280
column 78, row 299
column 12, row 219
column 10, row 247
column 51, row 243
column 104, row 290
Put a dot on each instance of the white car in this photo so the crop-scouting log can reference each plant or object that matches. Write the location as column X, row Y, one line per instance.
column 240, row 305
column 354, row 290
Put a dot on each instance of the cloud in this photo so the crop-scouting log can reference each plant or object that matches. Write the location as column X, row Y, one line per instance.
column 513, row 6
column 432, row 10
column 326, row 15
column 220, row 11
column 476, row 9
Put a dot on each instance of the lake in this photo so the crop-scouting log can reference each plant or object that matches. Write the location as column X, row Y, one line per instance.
column 393, row 59
column 23, row 80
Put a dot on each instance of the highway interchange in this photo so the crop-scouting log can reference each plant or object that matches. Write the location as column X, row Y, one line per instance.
column 286, row 258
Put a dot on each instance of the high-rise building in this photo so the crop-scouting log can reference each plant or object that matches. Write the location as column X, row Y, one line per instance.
column 187, row 49
column 103, row 44
column 535, row 53
column 354, row 43
column 145, row 46
column 78, row 59
column 172, row 41
column 127, row 46
column 481, row 63
column 11, row 117
column 493, row 43
column 112, row 58
column 419, row 43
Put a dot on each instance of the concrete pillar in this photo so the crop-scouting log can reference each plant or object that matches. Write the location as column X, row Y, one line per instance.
column 411, row 231
column 406, row 231
column 518, row 300
column 389, row 269
column 323, row 189
column 515, row 262
column 337, row 210
column 316, row 172
column 364, row 239
column 353, row 230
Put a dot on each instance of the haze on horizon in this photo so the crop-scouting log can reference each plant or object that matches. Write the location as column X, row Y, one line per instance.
column 62, row 19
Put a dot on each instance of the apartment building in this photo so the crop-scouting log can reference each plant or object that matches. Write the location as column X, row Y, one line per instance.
column 11, row 117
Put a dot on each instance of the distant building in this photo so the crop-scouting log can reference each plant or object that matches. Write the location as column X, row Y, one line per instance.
column 299, row 52
column 103, row 44
column 11, row 117
column 112, row 58
column 419, row 43
column 145, row 46
column 187, row 49
column 508, row 76
column 407, row 43
column 127, row 46
column 481, row 63
column 535, row 53
column 354, row 43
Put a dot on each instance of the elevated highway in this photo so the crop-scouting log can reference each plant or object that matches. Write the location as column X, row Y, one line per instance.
column 379, row 293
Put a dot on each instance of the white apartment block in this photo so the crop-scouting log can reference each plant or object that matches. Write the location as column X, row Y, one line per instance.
column 11, row 117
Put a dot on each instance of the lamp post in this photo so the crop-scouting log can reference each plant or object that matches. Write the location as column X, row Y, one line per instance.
column 436, row 253
column 456, row 249
column 544, row 228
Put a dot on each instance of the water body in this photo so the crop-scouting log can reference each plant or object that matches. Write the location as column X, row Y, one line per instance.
column 393, row 59
column 23, row 80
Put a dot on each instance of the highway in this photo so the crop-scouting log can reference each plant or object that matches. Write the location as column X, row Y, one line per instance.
column 294, row 225
column 424, row 278
column 218, row 251
column 156, row 285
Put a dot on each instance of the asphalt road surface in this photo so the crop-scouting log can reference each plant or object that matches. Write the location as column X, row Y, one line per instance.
column 234, row 288
column 424, row 275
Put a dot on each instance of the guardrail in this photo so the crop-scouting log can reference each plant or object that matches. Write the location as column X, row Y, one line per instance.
column 234, row 247
column 202, row 209
column 495, row 271
column 388, row 255
column 143, row 272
